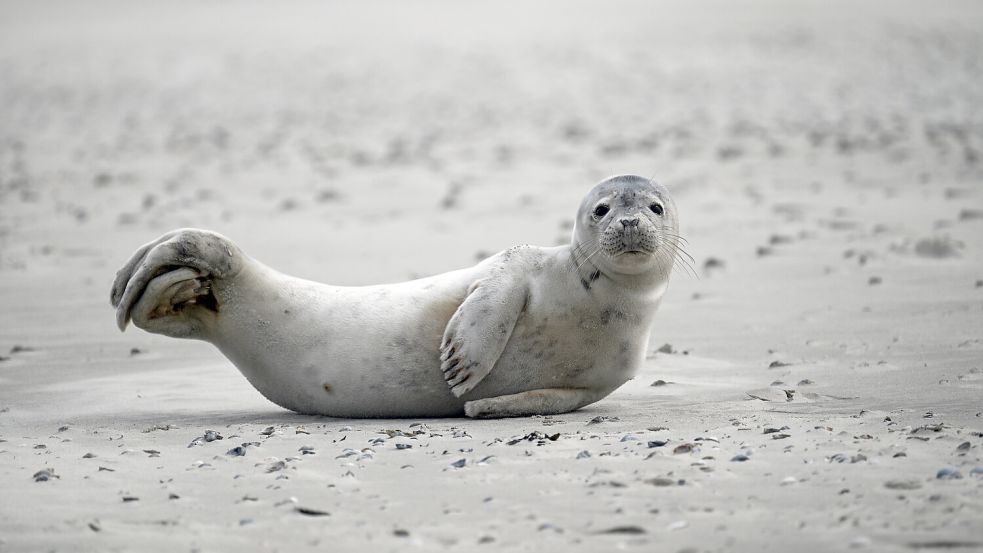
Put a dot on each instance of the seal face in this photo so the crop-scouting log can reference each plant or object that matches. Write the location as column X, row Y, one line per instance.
column 527, row 331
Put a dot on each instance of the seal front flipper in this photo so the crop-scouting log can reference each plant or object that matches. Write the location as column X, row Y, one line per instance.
column 477, row 333
column 545, row 401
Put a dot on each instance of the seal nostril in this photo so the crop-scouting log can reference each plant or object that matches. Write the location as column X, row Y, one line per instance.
column 629, row 222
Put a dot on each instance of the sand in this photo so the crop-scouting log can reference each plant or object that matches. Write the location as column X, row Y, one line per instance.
column 822, row 386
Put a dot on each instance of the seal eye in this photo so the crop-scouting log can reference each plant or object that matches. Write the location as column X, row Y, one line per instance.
column 601, row 211
column 656, row 208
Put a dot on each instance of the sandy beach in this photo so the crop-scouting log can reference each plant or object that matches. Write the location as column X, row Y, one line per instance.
column 815, row 383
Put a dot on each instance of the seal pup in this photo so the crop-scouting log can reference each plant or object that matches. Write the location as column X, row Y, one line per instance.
column 528, row 331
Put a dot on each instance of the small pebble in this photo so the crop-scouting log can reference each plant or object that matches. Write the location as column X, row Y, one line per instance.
column 682, row 448
column 964, row 446
column 629, row 438
column 211, row 436
column 44, row 475
column 459, row 463
column 311, row 512
column 404, row 446
column 740, row 457
column 237, row 451
column 902, row 484
column 657, row 443
column 661, row 481
column 659, row 382
column 307, row 450
column 625, row 530
column 583, row 454
column 948, row 474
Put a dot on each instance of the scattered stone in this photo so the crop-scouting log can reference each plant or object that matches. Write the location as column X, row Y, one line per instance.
column 155, row 427
column 602, row 418
column 311, row 512
column 938, row 247
column 307, row 450
column 624, row 530
column 629, row 438
column 404, row 446
column 964, row 446
column 237, row 451
column 948, row 474
column 135, row 351
column 268, row 431
column 659, row 382
column 44, row 475
column 712, row 263
column 89, row 456
column 806, row 382
column 902, row 484
column 459, row 463
column 400, row 533
column 536, row 436
column 874, row 280
column 130, row 498
column 666, row 348
column 211, row 436
column 837, row 458
column 970, row 214
column 657, row 443
column 778, row 364
column 740, row 458
column 583, row 455
column 683, row 448
column 661, row 481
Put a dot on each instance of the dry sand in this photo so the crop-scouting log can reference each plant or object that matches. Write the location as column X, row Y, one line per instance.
column 827, row 159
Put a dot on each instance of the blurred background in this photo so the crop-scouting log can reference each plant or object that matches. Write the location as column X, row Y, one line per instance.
column 365, row 142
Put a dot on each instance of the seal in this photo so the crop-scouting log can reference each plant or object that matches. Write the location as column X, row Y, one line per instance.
column 530, row 330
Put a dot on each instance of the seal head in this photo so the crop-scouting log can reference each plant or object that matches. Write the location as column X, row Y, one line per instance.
column 627, row 225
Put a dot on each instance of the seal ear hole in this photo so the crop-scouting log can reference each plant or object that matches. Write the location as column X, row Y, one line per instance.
column 657, row 209
column 601, row 210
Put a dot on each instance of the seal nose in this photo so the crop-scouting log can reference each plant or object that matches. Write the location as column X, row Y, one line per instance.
column 628, row 223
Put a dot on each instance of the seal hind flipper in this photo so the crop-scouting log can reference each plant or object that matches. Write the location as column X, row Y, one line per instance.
column 477, row 333
column 545, row 401
column 191, row 255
